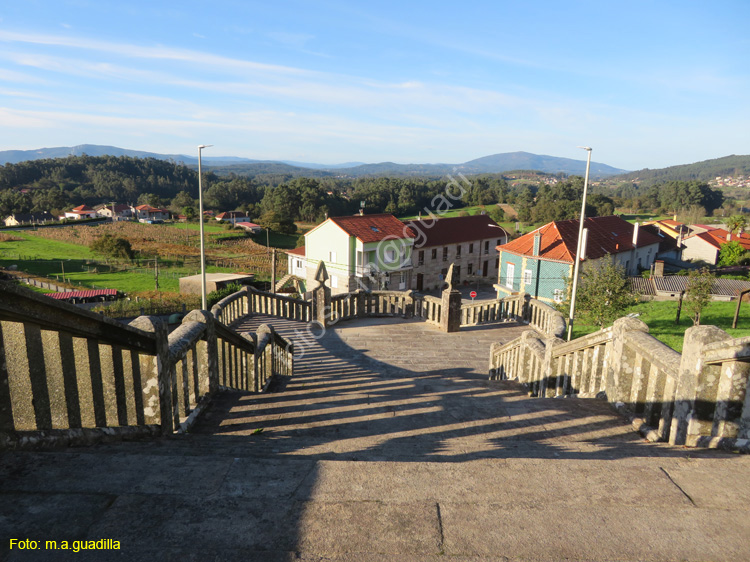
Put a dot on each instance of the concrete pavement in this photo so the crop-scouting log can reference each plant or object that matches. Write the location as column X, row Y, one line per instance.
column 389, row 444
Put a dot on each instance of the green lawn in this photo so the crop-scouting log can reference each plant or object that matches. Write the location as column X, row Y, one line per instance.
column 659, row 316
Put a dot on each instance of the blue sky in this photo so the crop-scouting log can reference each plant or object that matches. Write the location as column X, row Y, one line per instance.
column 646, row 84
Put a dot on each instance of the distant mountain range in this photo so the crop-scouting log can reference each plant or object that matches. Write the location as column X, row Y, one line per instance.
column 496, row 163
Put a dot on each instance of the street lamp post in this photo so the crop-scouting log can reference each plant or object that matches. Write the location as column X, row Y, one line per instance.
column 577, row 265
column 200, row 213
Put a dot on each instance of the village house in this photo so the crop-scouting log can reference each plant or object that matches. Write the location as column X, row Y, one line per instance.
column 147, row 213
column 232, row 216
column 116, row 212
column 251, row 227
column 541, row 262
column 705, row 246
column 18, row 219
column 81, row 212
column 297, row 262
column 369, row 252
column 467, row 242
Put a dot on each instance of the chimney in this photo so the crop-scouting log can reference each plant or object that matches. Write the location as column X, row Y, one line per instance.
column 729, row 236
column 584, row 243
column 361, row 212
column 635, row 234
column 537, row 244
column 659, row 268
column 674, row 218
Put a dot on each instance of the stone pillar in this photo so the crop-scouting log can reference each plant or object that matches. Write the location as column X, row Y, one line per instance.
column 450, row 316
column 619, row 376
column 409, row 305
column 321, row 297
column 208, row 363
column 695, row 395
column 157, row 374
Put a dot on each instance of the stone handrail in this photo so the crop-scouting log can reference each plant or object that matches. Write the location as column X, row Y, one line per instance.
column 544, row 318
column 697, row 398
column 71, row 376
column 272, row 304
column 429, row 308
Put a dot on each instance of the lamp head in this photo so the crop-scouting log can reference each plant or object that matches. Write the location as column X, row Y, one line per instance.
column 204, row 146
column 586, row 148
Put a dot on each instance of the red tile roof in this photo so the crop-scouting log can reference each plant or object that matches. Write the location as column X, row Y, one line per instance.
column 298, row 251
column 231, row 215
column 373, row 228
column 83, row 209
column 718, row 236
column 82, row 294
column 455, row 230
column 607, row 235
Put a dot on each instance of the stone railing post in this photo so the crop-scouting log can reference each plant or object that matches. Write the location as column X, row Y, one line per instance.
column 621, row 369
column 450, row 317
column 547, row 367
column 264, row 350
column 359, row 306
column 524, row 302
column 321, row 297
column 694, row 401
column 208, row 360
column 158, row 374
column 409, row 304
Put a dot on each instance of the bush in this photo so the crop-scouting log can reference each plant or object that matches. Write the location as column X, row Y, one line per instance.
column 215, row 296
column 112, row 246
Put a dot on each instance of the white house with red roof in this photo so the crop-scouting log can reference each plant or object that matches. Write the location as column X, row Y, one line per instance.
column 297, row 262
column 705, row 246
column 470, row 243
column 232, row 216
column 81, row 212
column 541, row 262
column 147, row 213
column 117, row 212
column 368, row 252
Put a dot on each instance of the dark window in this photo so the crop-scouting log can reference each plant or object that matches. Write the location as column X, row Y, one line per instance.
column 458, row 251
column 500, row 240
column 445, row 253
column 420, row 261
column 487, row 247
column 434, row 253
column 470, row 268
column 471, row 248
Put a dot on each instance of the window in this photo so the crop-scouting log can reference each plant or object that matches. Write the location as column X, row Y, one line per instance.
column 487, row 247
column 434, row 253
column 390, row 256
column 332, row 257
column 527, row 277
column 420, row 260
column 298, row 264
column 500, row 241
column 470, row 268
column 558, row 295
column 458, row 251
column 445, row 253
column 471, row 248
column 497, row 263
column 510, row 272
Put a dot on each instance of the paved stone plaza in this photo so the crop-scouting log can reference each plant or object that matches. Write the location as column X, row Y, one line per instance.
column 388, row 444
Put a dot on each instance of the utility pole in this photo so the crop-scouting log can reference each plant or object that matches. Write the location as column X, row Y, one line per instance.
column 156, row 272
column 62, row 266
column 273, row 271
column 579, row 256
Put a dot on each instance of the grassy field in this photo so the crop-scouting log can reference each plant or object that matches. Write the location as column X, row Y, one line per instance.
column 659, row 316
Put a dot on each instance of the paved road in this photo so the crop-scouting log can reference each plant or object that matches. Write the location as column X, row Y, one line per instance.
column 388, row 444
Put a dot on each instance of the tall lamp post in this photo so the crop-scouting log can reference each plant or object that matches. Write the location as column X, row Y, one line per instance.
column 577, row 265
column 200, row 214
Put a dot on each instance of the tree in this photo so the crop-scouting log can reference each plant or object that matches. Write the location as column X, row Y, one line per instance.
column 698, row 293
column 112, row 246
column 735, row 223
column 603, row 292
column 731, row 253
column 273, row 221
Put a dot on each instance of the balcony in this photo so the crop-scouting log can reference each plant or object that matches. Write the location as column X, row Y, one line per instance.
column 373, row 268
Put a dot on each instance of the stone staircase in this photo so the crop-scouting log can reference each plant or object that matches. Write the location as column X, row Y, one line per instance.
column 389, row 443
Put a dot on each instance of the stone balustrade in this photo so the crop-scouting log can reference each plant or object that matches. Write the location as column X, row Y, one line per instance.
column 697, row 398
column 71, row 376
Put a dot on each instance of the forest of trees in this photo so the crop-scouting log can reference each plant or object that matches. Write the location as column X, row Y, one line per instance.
column 59, row 184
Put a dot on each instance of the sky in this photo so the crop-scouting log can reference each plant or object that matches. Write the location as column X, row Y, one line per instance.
column 645, row 84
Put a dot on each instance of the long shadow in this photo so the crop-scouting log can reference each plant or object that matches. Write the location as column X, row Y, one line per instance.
column 347, row 403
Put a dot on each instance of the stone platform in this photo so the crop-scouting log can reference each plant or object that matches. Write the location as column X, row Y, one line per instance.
column 389, row 444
